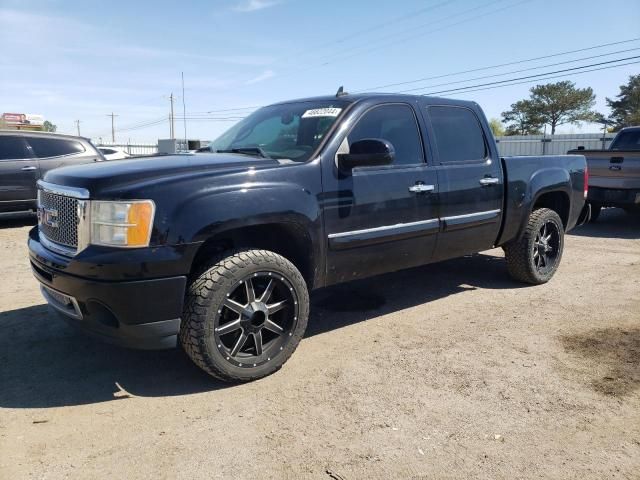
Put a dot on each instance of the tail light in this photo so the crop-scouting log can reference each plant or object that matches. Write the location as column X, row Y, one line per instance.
column 586, row 181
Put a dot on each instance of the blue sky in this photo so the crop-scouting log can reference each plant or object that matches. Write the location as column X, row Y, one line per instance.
column 71, row 60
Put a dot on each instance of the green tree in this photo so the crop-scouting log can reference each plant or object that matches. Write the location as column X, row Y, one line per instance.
column 496, row 127
column 625, row 111
column 560, row 103
column 522, row 119
column 49, row 127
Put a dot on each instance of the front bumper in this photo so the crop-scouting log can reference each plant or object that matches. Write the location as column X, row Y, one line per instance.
column 137, row 313
column 612, row 197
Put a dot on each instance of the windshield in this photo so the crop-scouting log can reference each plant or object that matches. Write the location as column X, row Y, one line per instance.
column 629, row 140
column 289, row 131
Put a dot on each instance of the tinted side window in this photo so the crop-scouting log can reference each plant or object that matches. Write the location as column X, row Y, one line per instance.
column 459, row 136
column 54, row 147
column 396, row 124
column 13, row 148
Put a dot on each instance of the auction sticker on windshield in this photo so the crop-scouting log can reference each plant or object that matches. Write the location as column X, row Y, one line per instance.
column 322, row 112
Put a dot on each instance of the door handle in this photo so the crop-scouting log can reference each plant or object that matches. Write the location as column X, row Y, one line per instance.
column 28, row 169
column 617, row 159
column 489, row 181
column 421, row 188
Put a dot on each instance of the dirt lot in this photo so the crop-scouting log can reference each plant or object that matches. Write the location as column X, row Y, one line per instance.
column 447, row 371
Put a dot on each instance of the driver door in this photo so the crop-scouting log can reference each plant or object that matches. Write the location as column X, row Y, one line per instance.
column 380, row 218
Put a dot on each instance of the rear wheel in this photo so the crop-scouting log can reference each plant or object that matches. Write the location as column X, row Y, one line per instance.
column 244, row 315
column 535, row 257
column 595, row 212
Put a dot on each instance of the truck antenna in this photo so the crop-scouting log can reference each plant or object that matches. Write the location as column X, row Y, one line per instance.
column 341, row 92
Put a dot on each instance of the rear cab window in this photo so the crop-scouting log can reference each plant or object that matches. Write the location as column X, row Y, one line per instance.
column 458, row 134
column 54, row 147
column 629, row 140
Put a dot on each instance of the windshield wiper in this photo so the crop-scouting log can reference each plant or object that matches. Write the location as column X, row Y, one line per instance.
column 246, row 151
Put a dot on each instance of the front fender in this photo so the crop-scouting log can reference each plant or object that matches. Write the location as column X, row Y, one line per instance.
column 204, row 214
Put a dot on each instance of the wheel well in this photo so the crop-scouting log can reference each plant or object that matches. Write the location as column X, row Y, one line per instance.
column 556, row 201
column 290, row 240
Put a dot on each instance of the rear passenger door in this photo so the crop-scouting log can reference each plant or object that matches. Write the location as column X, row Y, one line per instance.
column 55, row 152
column 470, row 181
column 18, row 175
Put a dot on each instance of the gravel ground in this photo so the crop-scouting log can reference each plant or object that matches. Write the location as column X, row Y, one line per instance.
column 446, row 371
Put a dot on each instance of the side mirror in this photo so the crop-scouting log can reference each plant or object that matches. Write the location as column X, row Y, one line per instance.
column 367, row 152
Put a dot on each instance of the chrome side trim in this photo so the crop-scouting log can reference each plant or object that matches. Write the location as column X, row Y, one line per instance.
column 383, row 228
column 472, row 215
column 65, row 191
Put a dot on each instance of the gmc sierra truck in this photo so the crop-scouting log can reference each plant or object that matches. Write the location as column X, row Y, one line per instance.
column 615, row 173
column 217, row 251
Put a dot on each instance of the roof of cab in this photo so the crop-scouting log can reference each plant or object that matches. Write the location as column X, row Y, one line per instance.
column 31, row 133
column 382, row 97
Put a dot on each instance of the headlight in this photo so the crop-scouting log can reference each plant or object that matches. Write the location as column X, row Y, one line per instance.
column 122, row 224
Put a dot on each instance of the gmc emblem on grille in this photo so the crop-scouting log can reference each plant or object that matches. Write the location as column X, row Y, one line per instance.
column 48, row 217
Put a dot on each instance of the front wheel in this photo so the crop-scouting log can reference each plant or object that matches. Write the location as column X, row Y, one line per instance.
column 535, row 257
column 244, row 315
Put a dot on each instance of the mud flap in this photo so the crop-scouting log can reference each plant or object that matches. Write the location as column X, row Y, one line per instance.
column 585, row 215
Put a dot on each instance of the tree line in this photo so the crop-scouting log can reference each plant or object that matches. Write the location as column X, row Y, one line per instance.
column 561, row 103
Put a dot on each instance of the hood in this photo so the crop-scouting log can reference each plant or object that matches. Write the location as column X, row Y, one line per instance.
column 118, row 175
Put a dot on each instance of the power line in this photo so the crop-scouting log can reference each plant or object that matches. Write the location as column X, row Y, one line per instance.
column 533, row 81
column 518, row 71
column 384, row 39
column 517, row 62
column 408, row 16
column 461, row 72
column 532, row 76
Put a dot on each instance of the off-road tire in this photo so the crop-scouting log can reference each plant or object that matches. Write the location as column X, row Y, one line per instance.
column 520, row 254
column 205, row 294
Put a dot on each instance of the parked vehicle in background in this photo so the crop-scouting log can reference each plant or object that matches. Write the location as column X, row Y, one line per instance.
column 219, row 250
column 25, row 157
column 113, row 153
column 614, row 174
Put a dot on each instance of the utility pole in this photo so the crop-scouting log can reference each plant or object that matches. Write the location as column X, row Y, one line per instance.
column 184, row 114
column 172, row 129
column 113, row 128
column 77, row 122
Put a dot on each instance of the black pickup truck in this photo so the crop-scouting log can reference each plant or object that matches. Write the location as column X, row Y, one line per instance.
column 217, row 251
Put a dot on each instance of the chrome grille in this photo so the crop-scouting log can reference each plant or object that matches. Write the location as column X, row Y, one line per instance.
column 58, row 218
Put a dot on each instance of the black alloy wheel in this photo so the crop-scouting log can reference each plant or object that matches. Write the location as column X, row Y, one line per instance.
column 256, row 319
column 546, row 247
column 245, row 313
column 535, row 256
